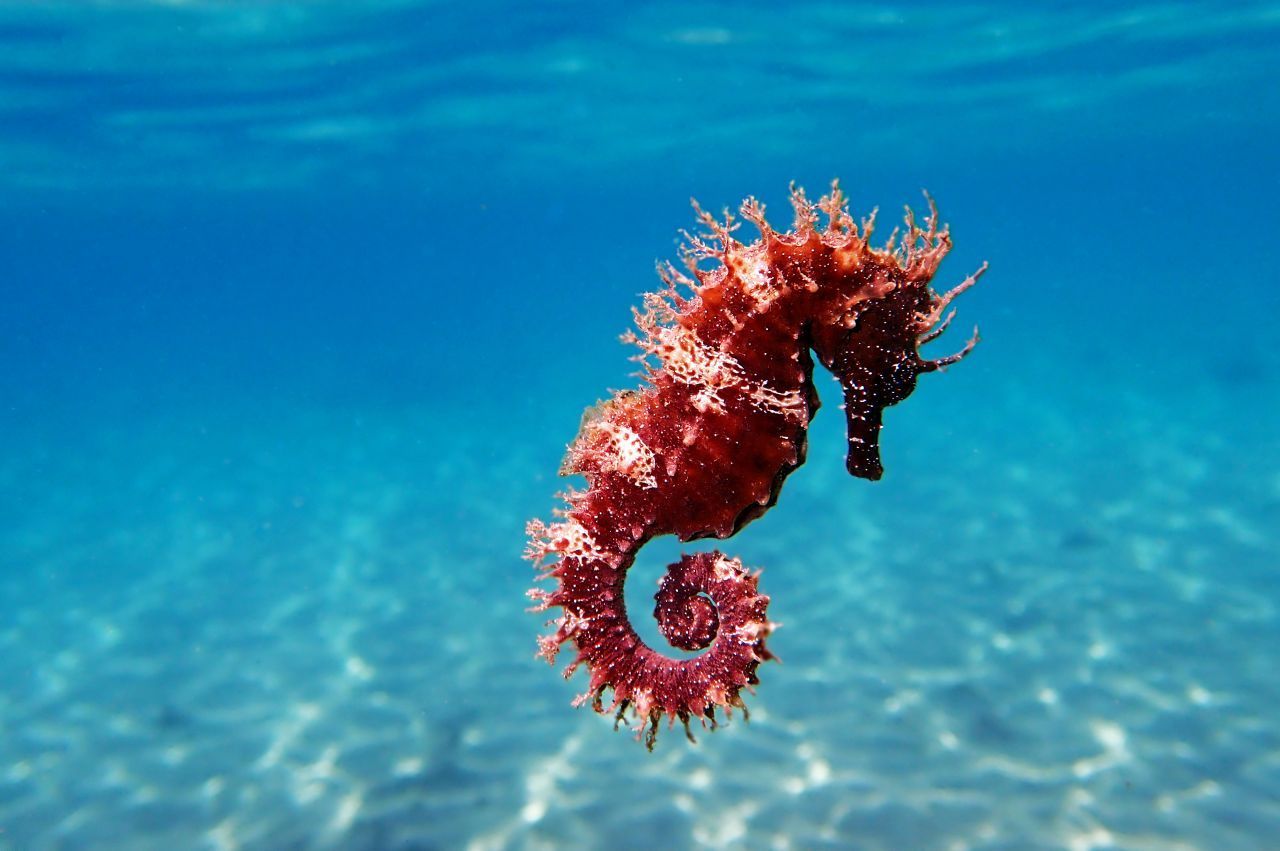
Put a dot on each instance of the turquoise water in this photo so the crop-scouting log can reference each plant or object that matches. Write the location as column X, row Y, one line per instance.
column 302, row 302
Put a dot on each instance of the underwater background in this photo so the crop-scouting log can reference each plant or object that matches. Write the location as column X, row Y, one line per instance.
column 303, row 300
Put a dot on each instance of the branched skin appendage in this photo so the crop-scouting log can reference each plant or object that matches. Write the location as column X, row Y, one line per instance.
column 703, row 447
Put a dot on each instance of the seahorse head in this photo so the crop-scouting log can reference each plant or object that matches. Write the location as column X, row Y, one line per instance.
column 876, row 359
column 874, row 352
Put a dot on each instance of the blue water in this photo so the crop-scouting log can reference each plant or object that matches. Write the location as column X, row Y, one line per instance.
column 302, row 302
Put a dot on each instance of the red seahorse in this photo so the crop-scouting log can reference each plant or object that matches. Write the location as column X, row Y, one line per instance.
column 704, row 446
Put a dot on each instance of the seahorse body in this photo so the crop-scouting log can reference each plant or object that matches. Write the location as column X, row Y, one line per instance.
column 704, row 446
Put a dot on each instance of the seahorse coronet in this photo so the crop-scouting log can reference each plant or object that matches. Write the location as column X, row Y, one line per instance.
column 705, row 444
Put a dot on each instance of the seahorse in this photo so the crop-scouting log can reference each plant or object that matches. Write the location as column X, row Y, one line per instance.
column 703, row 447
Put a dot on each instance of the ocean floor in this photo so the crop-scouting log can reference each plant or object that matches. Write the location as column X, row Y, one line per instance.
column 1054, row 624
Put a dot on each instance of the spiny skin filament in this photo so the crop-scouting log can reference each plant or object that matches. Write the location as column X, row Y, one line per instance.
column 704, row 445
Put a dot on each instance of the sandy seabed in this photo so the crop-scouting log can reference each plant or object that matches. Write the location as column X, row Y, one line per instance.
column 306, row 630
